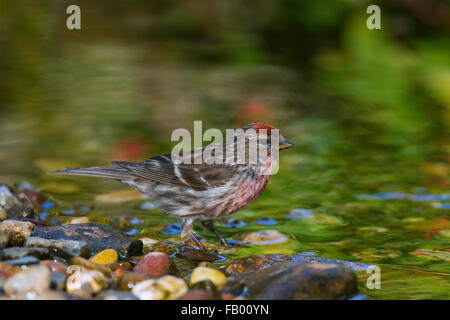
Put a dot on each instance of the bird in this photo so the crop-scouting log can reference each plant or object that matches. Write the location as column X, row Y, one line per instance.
column 184, row 187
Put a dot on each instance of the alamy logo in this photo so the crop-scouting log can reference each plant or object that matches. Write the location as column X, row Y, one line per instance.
column 374, row 20
column 74, row 20
column 374, row 280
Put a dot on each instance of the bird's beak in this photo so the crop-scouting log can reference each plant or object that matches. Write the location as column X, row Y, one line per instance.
column 285, row 145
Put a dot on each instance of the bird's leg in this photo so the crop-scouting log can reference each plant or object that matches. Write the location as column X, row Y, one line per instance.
column 186, row 232
column 209, row 224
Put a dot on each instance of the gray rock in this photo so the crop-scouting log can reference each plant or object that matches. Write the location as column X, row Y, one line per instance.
column 292, row 278
column 25, row 261
column 97, row 236
column 69, row 247
column 31, row 280
column 19, row 252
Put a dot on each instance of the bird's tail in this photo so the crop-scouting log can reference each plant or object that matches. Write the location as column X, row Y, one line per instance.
column 102, row 172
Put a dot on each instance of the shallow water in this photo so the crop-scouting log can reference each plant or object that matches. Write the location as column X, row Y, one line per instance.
column 372, row 185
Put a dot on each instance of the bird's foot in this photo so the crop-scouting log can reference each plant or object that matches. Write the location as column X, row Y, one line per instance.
column 197, row 242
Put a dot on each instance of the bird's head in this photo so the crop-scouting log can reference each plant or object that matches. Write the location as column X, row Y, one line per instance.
column 264, row 131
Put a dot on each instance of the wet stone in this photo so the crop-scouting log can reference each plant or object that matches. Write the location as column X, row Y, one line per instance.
column 69, row 247
column 13, row 228
column 20, row 252
column 165, row 288
column 28, row 195
column 198, row 294
column 264, row 238
column 192, row 254
column 34, row 279
column 58, row 281
column 108, row 256
column 121, row 265
column 254, row 263
column 201, row 274
column 54, row 266
column 77, row 220
column 154, row 264
column 97, row 236
column 7, row 199
column 129, row 279
column 295, row 280
column 7, row 270
column 3, row 215
column 135, row 248
column 85, row 282
column 21, row 212
column 25, row 261
column 79, row 261
column 3, row 240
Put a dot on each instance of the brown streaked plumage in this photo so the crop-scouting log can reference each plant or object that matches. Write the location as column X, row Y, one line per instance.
column 198, row 192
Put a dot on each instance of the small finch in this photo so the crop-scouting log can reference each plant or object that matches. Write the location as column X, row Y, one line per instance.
column 206, row 183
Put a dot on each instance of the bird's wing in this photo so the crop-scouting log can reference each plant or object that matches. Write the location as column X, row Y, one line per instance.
column 163, row 170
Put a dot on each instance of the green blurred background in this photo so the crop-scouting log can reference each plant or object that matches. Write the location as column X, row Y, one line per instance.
column 368, row 110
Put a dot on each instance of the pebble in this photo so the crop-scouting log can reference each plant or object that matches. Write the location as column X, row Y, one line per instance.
column 193, row 254
column 264, row 238
column 129, row 279
column 14, row 227
column 203, row 273
column 77, row 220
column 7, row 199
column 19, row 252
column 135, row 248
column 70, row 247
column 54, row 266
column 165, row 288
column 33, row 280
column 108, row 256
column 85, row 282
column 21, row 212
column 154, row 264
column 79, row 261
column 6, row 270
column 3, row 240
column 97, row 236
column 3, row 214
column 58, row 281
column 148, row 242
column 121, row 265
column 25, row 261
